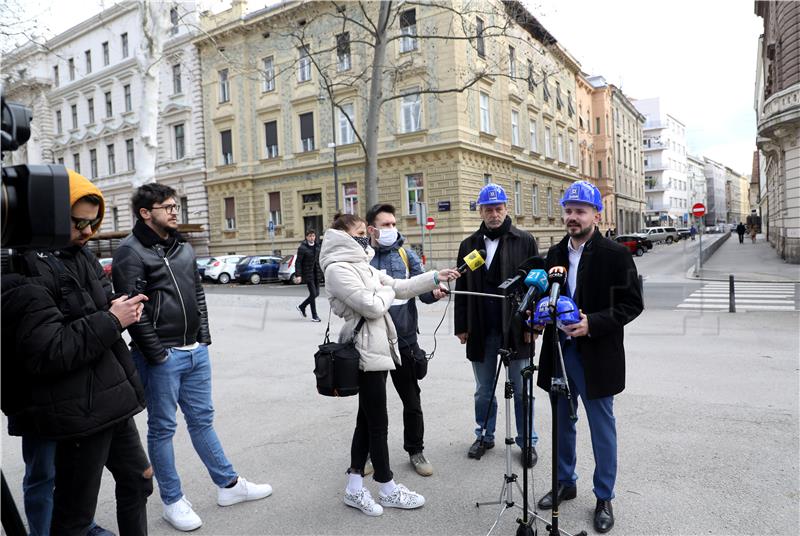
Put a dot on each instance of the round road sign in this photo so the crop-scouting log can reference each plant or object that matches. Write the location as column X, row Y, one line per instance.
column 430, row 223
column 698, row 210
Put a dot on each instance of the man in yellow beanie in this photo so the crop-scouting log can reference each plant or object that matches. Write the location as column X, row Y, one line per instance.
column 74, row 383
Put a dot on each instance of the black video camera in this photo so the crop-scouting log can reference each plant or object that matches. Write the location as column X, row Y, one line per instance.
column 34, row 199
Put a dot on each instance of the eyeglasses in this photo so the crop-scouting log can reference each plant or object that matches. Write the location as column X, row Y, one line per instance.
column 81, row 224
column 170, row 209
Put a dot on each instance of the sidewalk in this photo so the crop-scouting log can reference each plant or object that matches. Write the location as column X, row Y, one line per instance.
column 749, row 262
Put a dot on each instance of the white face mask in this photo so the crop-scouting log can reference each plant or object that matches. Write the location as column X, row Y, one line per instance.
column 387, row 237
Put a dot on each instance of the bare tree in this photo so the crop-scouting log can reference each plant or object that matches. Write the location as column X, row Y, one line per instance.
column 372, row 27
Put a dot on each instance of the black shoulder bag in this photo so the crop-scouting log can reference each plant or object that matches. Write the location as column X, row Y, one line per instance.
column 336, row 365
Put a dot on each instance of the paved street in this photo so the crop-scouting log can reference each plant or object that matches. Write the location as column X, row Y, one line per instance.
column 708, row 426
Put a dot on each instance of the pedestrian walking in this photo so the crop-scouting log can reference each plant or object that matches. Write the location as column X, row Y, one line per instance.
column 693, row 231
column 306, row 269
column 606, row 289
column 363, row 295
column 740, row 230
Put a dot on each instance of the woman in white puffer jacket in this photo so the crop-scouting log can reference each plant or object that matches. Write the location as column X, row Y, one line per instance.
column 357, row 290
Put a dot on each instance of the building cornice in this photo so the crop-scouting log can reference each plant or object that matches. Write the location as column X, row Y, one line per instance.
column 99, row 78
column 88, row 25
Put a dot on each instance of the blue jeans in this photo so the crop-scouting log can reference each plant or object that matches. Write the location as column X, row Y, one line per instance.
column 484, row 372
column 185, row 380
column 37, row 485
column 602, row 428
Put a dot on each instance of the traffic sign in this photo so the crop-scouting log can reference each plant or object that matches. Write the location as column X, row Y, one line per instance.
column 698, row 210
column 430, row 223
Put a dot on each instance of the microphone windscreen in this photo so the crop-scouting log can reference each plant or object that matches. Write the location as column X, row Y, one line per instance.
column 533, row 263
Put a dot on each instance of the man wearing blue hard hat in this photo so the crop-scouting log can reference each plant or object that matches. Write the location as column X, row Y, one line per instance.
column 603, row 281
column 479, row 320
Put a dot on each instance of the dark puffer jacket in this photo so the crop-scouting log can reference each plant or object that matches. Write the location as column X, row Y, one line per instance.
column 67, row 372
column 175, row 313
column 307, row 263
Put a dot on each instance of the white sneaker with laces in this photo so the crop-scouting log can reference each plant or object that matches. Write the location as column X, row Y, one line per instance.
column 401, row 497
column 241, row 492
column 181, row 516
column 362, row 499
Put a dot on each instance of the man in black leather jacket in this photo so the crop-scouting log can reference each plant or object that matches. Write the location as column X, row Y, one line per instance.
column 170, row 349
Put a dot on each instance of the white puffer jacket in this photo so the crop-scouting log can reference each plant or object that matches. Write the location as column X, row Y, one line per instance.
column 356, row 289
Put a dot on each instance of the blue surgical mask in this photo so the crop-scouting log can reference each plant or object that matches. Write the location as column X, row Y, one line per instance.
column 363, row 241
column 387, row 237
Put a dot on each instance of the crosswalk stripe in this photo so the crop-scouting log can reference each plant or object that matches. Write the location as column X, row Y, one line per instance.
column 747, row 308
column 752, row 296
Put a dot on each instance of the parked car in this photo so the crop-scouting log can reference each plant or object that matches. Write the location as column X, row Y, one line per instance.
column 257, row 268
column 202, row 262
column 661, row 234
column 286, row 269
column 635, row 244
column 684, row 233
column 106, row 264
column 220, row 269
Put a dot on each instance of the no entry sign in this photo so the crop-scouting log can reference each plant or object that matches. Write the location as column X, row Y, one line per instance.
column 698, row 210
column 430, row 223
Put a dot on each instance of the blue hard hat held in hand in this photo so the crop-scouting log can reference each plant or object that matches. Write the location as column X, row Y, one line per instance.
column 583, row 192
column 567, row 312
column 492, row 194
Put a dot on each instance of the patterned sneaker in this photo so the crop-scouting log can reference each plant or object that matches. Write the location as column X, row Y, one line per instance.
column 362, row 499
column 401, row 497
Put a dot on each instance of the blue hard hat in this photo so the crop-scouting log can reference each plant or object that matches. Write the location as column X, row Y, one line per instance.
column 583, row 192
column 541, row 315
column 567, row 312
column 492, row 194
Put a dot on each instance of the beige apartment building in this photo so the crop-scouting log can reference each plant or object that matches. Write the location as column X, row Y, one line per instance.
column 270, row 126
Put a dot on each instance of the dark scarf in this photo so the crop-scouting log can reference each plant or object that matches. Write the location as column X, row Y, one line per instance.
column 494, row 234
column 150, row 238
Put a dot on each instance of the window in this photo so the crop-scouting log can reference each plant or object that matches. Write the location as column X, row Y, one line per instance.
column 55, row 76
column 534, row 138
column 71, row 64
column 180, row 141
column 600, row 168
column 350, row 190
column 271, row 137
column 88, row 56
column 517, row 198
column 59, row 126
column 545, row 87
column 184, row 202
column 343, row 51
column 531, row 80
column 485, row 127
column 571, row 153
column 549, row 202
column 548, row 143
column 230, row 213
column 570, row 108
column 275, row 208
column 92, row 163
column 226, row 144
column 269, row 74
column 535, row 202
column 114, row 218
column 512, row 62
column 128, row 105
column 514, row 127
column 112, row 164
column 560, row 146
column 487, row 178
column 597, row 125
column 76, row 162
column 176, row 79
column 408, row 27
column 109, row 108
column 124, row 39
column 307, row 131
column 304, row 67
column 173, row 19
column 106, row 59
column 479, row 43
column 414, row 192
column 559, row 102
column 90, row 106
column 129, row 154
column 224, row 87
column 411, row 111
column 346, row 134
column 74, row 110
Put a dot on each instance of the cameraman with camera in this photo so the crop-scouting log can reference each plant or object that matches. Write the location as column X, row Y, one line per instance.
column 68, row 376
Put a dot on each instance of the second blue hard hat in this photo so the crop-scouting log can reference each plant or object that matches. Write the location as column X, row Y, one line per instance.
column 583, row 192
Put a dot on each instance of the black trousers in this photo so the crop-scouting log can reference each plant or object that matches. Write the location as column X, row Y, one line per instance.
column 406, row 384
column 372, row 426
column 79, row 468
column 741, row 238
column 313, row 292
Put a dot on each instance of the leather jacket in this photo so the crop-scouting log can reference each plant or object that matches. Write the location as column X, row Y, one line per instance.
column 175, row 313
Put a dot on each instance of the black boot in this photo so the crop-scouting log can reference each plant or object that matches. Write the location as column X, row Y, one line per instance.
column 603, row 516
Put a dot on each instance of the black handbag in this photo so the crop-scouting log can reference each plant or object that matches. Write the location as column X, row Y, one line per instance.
column 420, row 362
column 336, row 365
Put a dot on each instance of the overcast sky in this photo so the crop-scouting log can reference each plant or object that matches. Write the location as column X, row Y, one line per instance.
column 699, row 56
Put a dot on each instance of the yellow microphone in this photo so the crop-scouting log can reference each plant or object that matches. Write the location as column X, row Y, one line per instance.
column 474, row 260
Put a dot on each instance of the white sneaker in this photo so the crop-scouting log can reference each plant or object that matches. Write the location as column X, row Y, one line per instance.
column 362, row 499
column 181, row 516
column 401, row 497
column 241, row 492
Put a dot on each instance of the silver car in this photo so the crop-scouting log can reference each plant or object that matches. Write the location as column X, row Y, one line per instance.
column 221, row 269
column 661, row 234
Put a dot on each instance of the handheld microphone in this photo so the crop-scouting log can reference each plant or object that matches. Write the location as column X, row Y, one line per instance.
column 474, row 260
column 514, row 283
column 536, row 282
column 557, row 276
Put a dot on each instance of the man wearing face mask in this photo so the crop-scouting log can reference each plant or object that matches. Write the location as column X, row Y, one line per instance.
column 401, row 263
column 306, row 268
